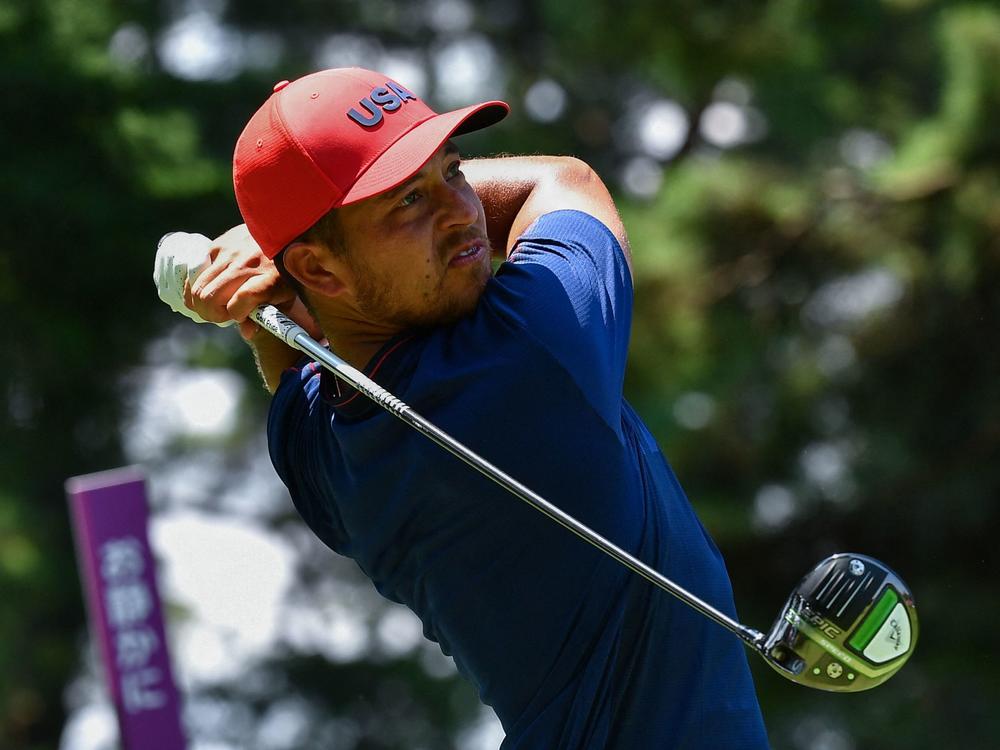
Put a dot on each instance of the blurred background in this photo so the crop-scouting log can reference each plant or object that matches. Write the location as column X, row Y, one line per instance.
column 812, row 192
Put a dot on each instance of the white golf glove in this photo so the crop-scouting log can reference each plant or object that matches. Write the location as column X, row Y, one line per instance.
column 180, row 256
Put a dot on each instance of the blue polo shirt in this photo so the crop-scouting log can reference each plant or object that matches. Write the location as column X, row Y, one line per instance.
column 570, row 649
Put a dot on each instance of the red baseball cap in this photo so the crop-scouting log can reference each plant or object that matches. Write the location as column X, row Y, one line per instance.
column 334, row 138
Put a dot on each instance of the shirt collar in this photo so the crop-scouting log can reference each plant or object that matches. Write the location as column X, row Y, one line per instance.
column 386, row 368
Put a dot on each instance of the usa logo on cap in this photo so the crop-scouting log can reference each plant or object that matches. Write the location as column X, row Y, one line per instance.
column 389, row 98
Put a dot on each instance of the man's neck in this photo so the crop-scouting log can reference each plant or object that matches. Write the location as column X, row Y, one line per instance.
column 354, row 341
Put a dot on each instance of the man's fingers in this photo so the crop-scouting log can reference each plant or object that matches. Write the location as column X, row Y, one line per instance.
column 227, row 279
column 223, row 263
column 235, row 278
column 232, row 270
column 210, row 272
column 254, row 293
column 257, row 290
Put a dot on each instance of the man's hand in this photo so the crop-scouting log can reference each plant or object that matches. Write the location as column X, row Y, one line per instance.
column 239, row 278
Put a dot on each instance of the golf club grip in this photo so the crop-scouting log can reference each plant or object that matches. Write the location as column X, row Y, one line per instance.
column 295, row 336
column 277, row 324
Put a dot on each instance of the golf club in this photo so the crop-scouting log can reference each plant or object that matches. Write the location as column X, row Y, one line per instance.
column 849, row 625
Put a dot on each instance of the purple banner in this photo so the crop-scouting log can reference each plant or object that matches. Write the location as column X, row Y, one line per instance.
column 109, row 520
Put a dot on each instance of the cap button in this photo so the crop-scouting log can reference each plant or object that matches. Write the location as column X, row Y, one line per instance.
column 279, row 86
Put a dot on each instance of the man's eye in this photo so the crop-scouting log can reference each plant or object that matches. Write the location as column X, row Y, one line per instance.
column 410, row 198
column 454, row 169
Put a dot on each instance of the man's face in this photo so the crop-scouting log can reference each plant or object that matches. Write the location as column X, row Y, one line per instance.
column 418, row 255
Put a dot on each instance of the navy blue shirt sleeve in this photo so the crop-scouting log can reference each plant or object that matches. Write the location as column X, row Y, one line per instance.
column 567, row 285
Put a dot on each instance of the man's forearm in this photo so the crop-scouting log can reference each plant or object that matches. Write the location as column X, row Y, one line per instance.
column 516, row 190
column 504, row 186
column 273, row 357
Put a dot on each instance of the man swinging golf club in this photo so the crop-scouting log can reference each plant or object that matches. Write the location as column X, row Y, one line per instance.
column 364, row 225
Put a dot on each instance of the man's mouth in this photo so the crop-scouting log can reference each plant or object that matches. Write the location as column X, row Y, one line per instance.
column 469, row 253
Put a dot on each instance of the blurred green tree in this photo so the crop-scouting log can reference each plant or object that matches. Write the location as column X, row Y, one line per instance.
column 813, row 197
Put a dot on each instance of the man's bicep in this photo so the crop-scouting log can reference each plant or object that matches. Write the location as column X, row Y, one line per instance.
column 572, row 184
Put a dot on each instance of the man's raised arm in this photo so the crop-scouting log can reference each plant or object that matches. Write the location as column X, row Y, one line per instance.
column 516, row 190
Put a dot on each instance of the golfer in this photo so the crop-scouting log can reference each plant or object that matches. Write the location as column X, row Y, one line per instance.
column 364, row 225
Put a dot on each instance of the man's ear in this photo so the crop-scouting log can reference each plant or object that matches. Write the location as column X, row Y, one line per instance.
column 315, row 268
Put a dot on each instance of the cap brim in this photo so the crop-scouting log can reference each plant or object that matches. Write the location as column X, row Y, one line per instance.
column 412, row 151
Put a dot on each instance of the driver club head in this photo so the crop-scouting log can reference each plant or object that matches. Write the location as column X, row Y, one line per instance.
column 848, row 626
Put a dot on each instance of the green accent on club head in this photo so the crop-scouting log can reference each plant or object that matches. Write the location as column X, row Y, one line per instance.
column 874, row 621
column 857, row 664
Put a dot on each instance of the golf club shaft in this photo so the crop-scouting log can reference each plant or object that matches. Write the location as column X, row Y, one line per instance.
column 275, row 322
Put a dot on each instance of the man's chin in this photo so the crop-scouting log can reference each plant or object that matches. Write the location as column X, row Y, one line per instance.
column 454, row 312
column 451, row 311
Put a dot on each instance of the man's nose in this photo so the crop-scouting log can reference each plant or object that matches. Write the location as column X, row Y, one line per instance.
column 459, row 207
